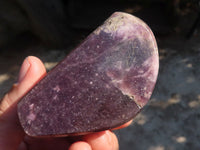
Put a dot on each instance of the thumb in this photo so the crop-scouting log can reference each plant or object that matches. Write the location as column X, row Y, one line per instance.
column 32, row 70
column 11, row 134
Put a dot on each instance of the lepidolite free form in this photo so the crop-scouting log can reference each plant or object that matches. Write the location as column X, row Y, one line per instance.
column 101, row 84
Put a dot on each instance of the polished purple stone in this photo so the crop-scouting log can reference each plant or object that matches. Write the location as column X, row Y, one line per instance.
column 100, row 85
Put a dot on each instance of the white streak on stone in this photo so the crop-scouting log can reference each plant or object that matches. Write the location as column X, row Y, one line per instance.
column 31, row 107
column 56, row 88
column 55, row 97
column 31, row 117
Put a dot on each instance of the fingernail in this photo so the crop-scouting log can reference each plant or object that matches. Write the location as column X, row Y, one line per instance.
column 107, row 132
column 22, row 146
column 112, row 140
column 24, row 69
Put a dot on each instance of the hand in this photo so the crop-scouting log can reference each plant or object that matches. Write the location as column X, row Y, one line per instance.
column 12, row 136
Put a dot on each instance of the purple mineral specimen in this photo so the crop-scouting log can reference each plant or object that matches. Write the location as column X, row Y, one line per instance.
column 100, row 85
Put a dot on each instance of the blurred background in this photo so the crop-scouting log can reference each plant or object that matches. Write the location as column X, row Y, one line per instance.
column 51, row 29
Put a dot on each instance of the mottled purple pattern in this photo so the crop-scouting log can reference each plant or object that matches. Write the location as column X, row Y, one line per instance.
column 102, row 84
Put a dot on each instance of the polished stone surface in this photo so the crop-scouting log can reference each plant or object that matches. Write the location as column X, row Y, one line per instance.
column 100, row 85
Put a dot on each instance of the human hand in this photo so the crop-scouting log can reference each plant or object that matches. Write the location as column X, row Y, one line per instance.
column 12, row 136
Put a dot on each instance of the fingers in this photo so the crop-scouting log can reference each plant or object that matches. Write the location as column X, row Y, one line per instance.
column 105, row 140
column 80, row 145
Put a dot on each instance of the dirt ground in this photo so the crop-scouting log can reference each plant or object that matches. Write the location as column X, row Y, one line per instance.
column 170, row 121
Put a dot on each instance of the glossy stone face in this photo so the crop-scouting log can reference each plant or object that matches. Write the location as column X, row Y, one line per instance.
column 100, row 85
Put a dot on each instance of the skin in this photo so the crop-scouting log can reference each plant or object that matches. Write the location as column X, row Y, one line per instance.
column 12, row 136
